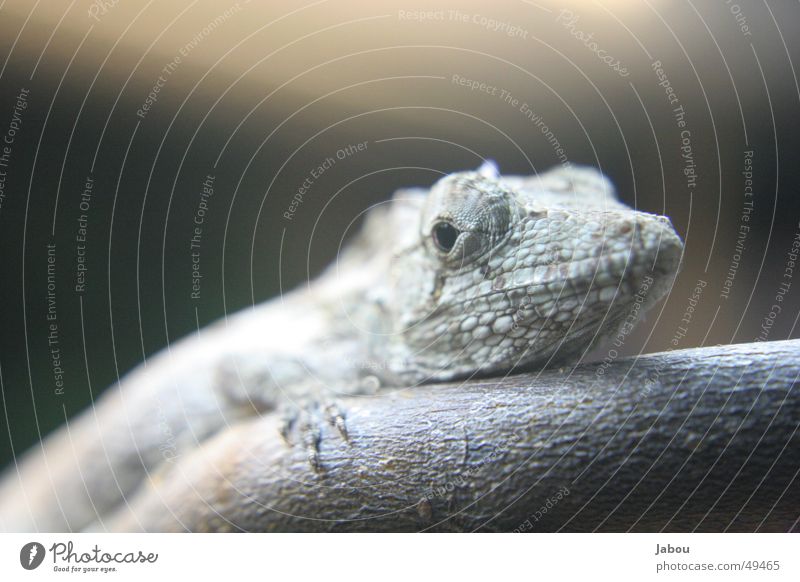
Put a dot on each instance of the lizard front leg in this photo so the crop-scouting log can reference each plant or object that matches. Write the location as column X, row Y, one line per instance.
column 301, row 425
column 305, row 402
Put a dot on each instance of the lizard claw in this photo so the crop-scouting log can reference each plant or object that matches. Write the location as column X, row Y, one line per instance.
column 335, row 416
column 301, row 425
column 287, row 423
column 311, row 435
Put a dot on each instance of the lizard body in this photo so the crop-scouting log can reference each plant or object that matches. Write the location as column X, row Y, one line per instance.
column 483, row 274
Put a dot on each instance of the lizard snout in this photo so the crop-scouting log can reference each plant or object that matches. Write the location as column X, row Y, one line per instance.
column 661, row 251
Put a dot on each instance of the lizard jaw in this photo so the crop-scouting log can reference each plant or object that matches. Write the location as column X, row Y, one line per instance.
column 563, row 277
column 593, row 298
column 557, row 310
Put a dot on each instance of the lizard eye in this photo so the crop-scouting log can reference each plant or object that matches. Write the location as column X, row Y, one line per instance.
column 445, row 236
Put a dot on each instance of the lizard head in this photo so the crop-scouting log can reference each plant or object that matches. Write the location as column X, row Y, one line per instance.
column 510, row 272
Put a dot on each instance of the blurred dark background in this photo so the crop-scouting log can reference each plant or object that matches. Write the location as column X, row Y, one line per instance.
column 258, row 95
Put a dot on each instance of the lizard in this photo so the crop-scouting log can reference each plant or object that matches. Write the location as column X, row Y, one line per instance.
column 482, row 274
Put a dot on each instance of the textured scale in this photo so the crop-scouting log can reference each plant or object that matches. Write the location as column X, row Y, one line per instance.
column 561, row 262
column 483, row 274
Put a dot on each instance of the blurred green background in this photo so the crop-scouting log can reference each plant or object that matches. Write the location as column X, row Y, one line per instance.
column 258, row 95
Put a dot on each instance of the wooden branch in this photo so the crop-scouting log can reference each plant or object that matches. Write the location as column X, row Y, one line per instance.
column 700, row 439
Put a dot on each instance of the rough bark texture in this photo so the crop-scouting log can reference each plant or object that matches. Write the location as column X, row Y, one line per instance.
column 701, row 439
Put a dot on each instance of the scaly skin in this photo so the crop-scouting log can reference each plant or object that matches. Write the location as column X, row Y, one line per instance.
column 483, row 275
column 543, row 268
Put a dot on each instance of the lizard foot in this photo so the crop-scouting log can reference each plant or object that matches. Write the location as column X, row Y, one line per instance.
column 301, row 425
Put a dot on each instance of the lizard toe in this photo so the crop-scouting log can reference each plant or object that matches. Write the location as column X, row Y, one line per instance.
column 301, row 425
column 336, row 417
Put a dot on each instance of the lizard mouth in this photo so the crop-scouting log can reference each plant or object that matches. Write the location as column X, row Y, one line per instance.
column 549, row 310
column 568, row 305
column 650, row 249
column 602, row 280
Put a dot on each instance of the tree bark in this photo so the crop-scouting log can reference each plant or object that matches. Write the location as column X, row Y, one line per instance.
column 700, row 439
